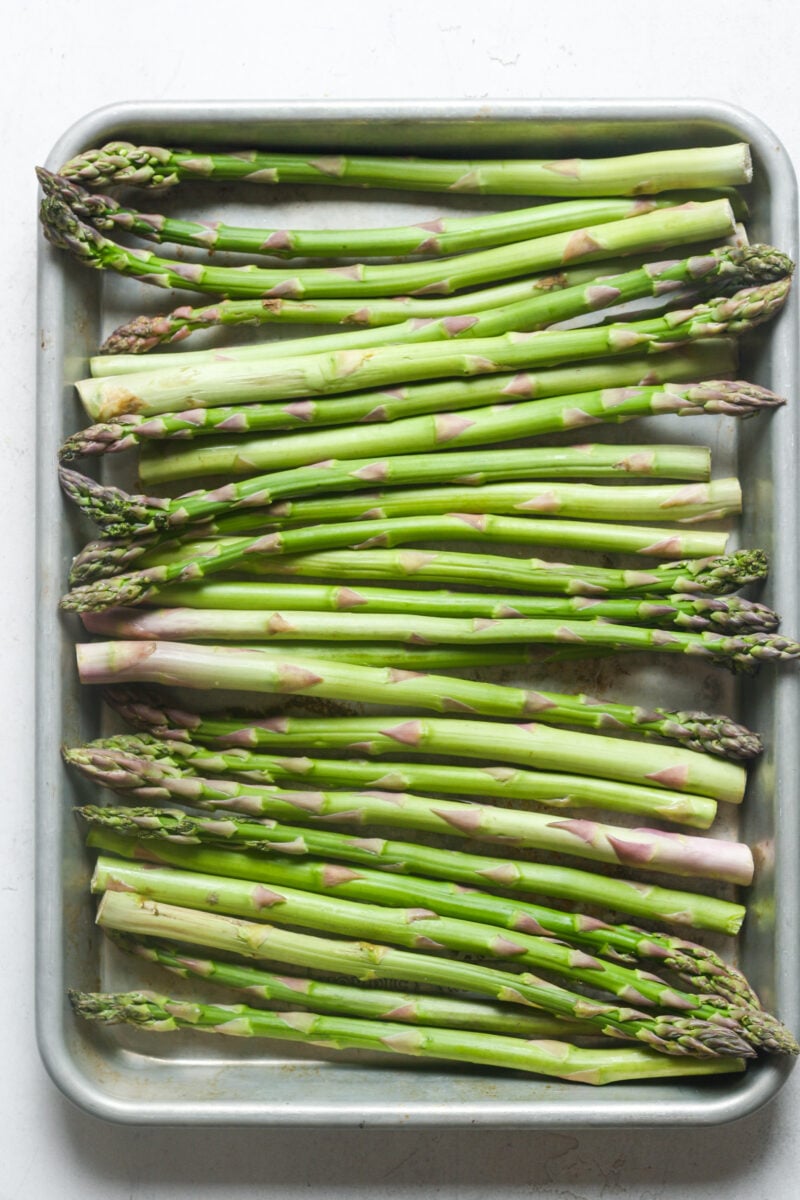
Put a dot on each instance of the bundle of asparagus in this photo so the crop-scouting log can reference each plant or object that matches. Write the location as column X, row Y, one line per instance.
column 393, row 405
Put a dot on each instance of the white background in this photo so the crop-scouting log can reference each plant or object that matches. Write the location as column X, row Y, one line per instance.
column 58, row 62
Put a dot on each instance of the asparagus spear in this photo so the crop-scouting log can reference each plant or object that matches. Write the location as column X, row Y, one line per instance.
column 121, row 512
column 339, row 999
column 152, row 771
column 731, row 614
column 297, row 377
column 321, row 908
column 144, row 710
column 634, row 174
column 722, row 270
column 686, row 504
column 667, row 1032
column 655, row 903
column 742, row 652
column 148, row 1011
column 649, row 849
column 701, row 360
column 716, row 576
column 453, row 432
column 711, row 575
column 691, row 222
column 650, row 541
column 147, row 830
column 439, row 236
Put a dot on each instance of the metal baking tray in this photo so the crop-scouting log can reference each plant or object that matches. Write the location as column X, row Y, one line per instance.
column 178, row 1079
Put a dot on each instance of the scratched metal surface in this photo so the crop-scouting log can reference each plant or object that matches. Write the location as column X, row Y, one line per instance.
column 183, row 1079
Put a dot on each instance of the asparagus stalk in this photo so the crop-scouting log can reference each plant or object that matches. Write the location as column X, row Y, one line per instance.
column 687, row 504
column 662, row 770
column 742, row 652
column 656, row 171
column 672, row 853
column 112, row 507
column 670, row 1033
column 147, row 830
column 438, row 236
column 152, row 771
column 717, row 575
column 145, row 332
column 181, row 560
column 655, row 903
column 708, row 221
column 696, row 730
column 723, row 270
column 731, row 614
column 148, row 1011
column 297, row 377
column 222, row 666
column 650, row 541
column 339, row 999
column 418, row 928
column 454, row 432
column 701, row 360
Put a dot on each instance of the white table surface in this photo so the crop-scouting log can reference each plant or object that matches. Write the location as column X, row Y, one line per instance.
column 58, row 62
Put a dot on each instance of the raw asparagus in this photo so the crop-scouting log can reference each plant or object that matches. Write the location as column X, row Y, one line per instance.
column 145, row 332
column 707, row 222
column 297, row 377
column 110, row 506
column 452, row 432
column 711, row 575
column 648, row 849
column 148, row 829
column 653, row 902
column 326, row 878
column 322, row 909
column 122, row 163
column 438, row 236
column 721, row 271
column 223, row 666
column 741, row 652
column 670, row 1033
column 731, row 614
column 152, row 771
column 558, row 1059
column 339, row 999
column 702, row 360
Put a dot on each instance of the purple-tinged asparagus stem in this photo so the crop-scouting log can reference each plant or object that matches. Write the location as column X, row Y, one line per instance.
column 123, row 763
column 222, row 666
column 739, row 653
column 556, row 881
column 646, row 849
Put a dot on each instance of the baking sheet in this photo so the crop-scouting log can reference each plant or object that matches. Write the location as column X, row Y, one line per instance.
column 183, row 1079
